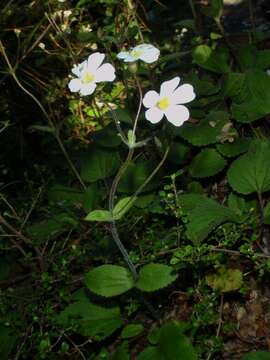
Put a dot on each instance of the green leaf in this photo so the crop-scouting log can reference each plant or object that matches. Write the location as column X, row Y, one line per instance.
column 122, row 115
column 239, row 146
column 257, row 355
column 207, row 131
column 107, row 137
column 99, row 215
column 204, row 215
column 135, row 175
column 122, row 207
column 150, row 353
column 251, row 172
column 121, row 353
column 109, row 280
column 252, row 100
column 173, row 344
column 214, row 60
column 91, row 197
column 178, row 153
column 207, row 163
column 131, row 331
column 153, row 277
column 266, row 214
column 99, row 164
column 88, row 319
column 45, row 230
column 225, row 280
column 65, row 195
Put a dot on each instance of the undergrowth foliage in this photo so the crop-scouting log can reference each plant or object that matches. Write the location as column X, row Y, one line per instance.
column 134, row 181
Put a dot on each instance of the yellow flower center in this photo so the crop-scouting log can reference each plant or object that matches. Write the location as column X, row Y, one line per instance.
column 87, row 77
column 163, row 104
column 136, row 53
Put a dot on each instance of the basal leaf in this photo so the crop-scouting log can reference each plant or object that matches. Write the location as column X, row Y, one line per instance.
column 214, row 60
column 153, row 277
column 88, row 319
column 251, row 172
column 99, row 164
column 99, row 215
column 207, row 131
column 207, row 163
column 109, row 280
column 239, row 146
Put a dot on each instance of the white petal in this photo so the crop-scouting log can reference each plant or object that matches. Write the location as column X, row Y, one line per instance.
column 150, row 56
column 150, row 98
column 177, row 114
column 168, row 87
column 94, row 61
column 75, row 85
column 87, row 89
column 76, row 70
column 105, row 73
column 154, row 115
column 122, row 55
column 183, row 94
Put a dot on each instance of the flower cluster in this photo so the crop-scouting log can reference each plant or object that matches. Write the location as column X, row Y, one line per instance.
column 169, row 101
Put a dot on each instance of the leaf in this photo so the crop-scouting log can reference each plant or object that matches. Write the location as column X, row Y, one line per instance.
column 150, row 353
column 65, row 195
column 252, row 100
column 178, row 153
column 99, row 164
column 153, row 277
column 225, row 280
column 135, row 175
column 121, row 353
column 204, row 215
column 107, row 137
column 251, row 172
column 239, row 146
column 207, row 163
column 45, row 230
column 207, row 131
column 131, row 331
column 257, row 355
column 91, row 197
column 88, row 319
column 215, row 9
column 99, row 215
column 173, row 344
column 266, row 214
column 123, row 206
column 109, row 280
column 214, row 60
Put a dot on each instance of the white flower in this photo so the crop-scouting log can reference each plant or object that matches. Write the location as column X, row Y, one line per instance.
column 89, row 73
column 268, row 72
column 169, row 102
column 145, row 52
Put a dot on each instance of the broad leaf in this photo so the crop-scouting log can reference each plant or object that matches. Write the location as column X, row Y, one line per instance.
column 207, row 163
column 251, row 172
column 153, row 277
column 239, row 146
column 131, row 330
column 99, row 164
column 99, row 215
column 88, row 319
column 204, row 215
column 207, row 131
column 109, row 280
column 214, row 60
